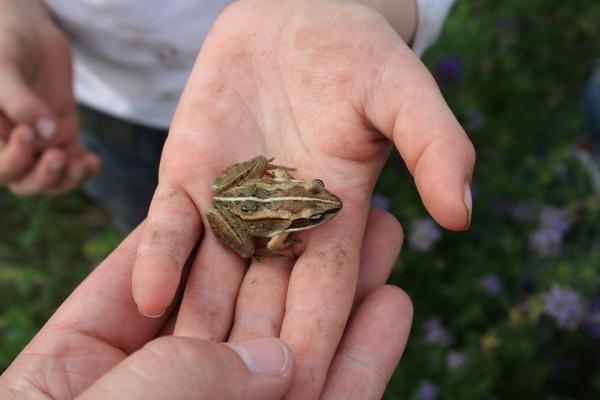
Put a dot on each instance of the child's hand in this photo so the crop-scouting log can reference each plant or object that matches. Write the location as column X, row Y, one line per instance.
column 323, row 86
column 39, row 143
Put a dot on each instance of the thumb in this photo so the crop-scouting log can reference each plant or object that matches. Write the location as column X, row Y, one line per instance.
column 186, row 368
column 20, row 104
column 406, row 105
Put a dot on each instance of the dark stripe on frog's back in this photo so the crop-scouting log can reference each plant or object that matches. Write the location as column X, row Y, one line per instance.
column 267, row 228
column 258, row 210
column 266, row 188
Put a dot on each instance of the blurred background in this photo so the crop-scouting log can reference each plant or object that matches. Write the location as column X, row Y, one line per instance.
column 509, row 309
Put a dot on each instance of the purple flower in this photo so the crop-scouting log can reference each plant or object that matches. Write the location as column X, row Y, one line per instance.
column 593, row 318
column 436, row 333
column 455, row 360
column 555, row 219
column 564, row 305
column 473, row 119
column 448, row 70
column 380, row 201
column 424, row 234
column 427, row 391
column 547, row 239
column 491, row 284
column 545, row 242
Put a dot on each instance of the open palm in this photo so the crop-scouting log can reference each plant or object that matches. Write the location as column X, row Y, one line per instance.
column 323, row 87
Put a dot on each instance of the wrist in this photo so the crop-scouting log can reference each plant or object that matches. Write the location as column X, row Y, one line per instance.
column 400, row 14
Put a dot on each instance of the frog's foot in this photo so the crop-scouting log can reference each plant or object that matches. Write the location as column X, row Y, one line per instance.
column 281, row 242
column 258, row 253
column 270, row 166
column 281, row 175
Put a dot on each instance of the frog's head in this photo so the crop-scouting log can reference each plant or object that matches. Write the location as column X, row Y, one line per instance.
column 322, row 206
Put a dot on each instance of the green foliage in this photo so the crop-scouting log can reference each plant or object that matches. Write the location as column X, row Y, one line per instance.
column 513, row 72
column 47, row 246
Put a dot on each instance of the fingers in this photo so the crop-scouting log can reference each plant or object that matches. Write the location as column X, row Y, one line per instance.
column 260, row 369
column 405, row 103
column 311, row 316
column 5, row 127
column 20, row 104
column 17, row 154
column 45, row 174
column 261, row 299
column 207, row 308
column 54, row 171
column 372, row 346
column 79, row 169
column 172, row 229
column 380, row 249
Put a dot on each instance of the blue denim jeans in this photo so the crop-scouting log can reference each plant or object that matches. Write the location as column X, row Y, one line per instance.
column 130, row 156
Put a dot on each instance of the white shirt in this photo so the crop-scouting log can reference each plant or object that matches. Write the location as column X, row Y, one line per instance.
column 133, row 57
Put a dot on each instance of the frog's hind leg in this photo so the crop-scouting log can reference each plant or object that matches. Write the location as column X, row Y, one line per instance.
column 252, row 169
column 239, row 240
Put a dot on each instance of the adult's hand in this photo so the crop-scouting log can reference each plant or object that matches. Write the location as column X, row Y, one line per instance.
column 97, row 345
column 324, row 86
column 39, row 144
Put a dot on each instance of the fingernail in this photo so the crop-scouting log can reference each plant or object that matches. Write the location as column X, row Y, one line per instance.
column 26, row 135
column 265, row 356
column 149, row 315
column 46, row 128
column 468, row 200
column 56, row 166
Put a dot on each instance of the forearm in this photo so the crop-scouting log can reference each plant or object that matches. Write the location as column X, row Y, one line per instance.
column 20, row 15
column 401, row 14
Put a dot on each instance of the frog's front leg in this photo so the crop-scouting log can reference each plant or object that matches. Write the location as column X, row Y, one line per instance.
column 230, row 234
column 282, row 242
column 281, row 174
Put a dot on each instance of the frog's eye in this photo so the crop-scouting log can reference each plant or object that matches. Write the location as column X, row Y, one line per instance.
column 316, row 186
column 316, row 217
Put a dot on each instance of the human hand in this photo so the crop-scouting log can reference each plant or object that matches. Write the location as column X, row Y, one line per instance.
column 39, row 143
column 97, row 345
column 323, row 86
